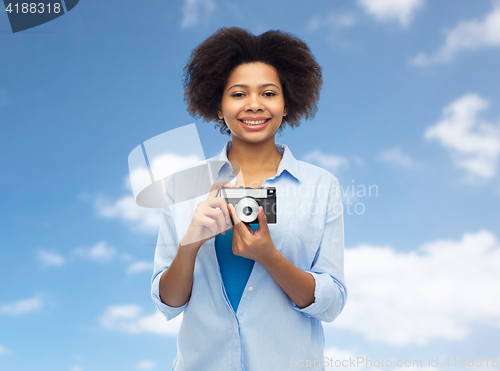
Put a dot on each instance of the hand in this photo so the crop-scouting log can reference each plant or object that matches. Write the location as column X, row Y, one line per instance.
column 257, row 245
column 207, row 220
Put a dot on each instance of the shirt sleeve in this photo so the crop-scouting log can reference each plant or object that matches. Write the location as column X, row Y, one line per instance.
column 166, row 249
column 330, row 293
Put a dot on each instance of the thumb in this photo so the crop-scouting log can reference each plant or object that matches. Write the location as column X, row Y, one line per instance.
column 262, row 220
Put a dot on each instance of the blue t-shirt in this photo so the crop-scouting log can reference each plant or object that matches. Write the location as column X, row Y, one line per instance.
column 235, row 270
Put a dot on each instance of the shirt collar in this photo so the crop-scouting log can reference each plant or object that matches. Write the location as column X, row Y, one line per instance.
column 288, row 162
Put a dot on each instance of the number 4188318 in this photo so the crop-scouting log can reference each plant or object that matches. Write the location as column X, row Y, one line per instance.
column 33, row 8
column 471, row 362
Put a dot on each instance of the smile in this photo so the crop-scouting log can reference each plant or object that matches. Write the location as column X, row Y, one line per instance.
column 254, row 124
column 249, row 122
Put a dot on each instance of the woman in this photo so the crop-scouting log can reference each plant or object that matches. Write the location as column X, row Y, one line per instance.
column 254, row 296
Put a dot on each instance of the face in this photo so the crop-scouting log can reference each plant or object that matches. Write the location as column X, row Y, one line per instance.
column 253, row 103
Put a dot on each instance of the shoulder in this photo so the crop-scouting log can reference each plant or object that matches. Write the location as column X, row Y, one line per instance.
column 306, row 171
column 316, row 174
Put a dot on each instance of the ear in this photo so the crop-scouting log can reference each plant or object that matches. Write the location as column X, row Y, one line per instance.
column 219, row 112
column 285, row 110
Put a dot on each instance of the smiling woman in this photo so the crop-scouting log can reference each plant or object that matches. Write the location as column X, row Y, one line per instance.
column 253, row 295
column 253, row 107
column 253, row 101
column 211, row 64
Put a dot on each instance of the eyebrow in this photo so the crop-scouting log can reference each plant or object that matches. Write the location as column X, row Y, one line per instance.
column 246, row 86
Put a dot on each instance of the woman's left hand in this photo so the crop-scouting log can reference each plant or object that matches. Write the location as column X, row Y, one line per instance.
column 257, row 245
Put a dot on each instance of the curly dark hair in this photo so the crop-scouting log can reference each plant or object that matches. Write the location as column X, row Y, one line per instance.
column 211, row 63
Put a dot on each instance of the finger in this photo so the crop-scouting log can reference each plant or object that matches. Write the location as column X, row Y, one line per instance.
column 238, row 220
column 222, row 204
column 239, row 226
column 215, row 189
column 233, row 214
column 210, row 224
column 218, row 216
column 262, row 217
column 221, row 185
column 237, row 241
column 208, row 229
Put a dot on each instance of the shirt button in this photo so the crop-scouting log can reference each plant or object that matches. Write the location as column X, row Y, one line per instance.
column 250, row 288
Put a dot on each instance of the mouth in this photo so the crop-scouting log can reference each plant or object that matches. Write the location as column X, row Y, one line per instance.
column 254, row 124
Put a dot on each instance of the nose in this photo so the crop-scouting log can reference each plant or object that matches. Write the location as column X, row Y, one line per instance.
column 254, row 103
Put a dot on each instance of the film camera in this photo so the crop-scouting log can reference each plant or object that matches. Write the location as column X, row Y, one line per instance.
column 246, row 201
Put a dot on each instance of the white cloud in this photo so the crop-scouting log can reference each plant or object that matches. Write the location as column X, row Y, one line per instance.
column 439, row 291
column 76, row 368
column 140, row 266
column 127, row 182
column 331, row 24
column 466, row 36
column 395, row 156
column 332, row 21
column 195, row 11
column 330, row 162
column 22, row 306
column 474, row 144
column 3, row 350
column 100, row 252
column 128, row 318
column 139, row 218
column 48, row 259
column 401, row 11
column 146, row 365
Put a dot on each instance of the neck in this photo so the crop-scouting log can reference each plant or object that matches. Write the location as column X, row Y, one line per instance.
column 254, row 157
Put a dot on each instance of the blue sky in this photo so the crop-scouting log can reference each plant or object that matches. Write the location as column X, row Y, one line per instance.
column 410, row 106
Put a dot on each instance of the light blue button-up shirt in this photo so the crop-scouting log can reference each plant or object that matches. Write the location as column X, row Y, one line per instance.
column 268, row 331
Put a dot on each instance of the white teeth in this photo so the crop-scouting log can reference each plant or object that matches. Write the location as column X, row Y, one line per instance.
column 246, row 122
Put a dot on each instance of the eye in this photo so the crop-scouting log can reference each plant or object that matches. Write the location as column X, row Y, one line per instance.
column 237, row 95
column 269, row 94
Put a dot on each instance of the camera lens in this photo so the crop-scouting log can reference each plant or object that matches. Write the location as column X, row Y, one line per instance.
column 247, row 210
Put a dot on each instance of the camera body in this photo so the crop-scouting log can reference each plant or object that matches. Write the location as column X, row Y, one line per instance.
column 246, row 201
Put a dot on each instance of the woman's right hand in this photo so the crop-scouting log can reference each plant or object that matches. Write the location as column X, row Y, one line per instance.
column 208, row 221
